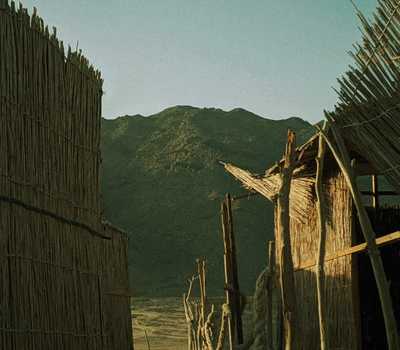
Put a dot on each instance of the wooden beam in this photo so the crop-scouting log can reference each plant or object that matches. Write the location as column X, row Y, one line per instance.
column 357, row 249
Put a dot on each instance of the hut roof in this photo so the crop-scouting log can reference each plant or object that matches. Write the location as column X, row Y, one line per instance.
column 368, row 114
column 302, row 194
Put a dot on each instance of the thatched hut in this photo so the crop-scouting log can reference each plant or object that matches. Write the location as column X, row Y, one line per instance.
column 63, row 270
column 353, row 314
column 337, row 252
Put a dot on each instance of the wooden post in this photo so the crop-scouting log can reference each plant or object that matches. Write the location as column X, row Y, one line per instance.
column 286, row 273
column 201, row 273
column 322, row 241
column 343, row 159
column 375, row 192
column 237, row 310
column 269, row 301
column 201, row 270
column 227, row 272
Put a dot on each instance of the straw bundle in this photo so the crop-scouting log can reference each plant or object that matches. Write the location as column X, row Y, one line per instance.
column 301, row 194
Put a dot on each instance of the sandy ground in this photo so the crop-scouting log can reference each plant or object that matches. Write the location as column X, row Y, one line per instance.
column 161, row 345
column 164, row 322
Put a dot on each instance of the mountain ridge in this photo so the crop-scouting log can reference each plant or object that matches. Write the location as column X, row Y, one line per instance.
column 162, row 182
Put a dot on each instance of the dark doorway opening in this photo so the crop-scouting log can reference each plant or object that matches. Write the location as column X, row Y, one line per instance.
column 385, row 220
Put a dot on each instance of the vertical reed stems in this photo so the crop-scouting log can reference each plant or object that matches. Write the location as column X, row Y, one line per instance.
column 343, row 159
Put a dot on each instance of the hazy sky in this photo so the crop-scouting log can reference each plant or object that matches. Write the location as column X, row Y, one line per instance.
column 275, row 58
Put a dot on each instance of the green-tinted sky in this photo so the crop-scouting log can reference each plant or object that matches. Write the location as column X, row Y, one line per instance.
column 275, row 58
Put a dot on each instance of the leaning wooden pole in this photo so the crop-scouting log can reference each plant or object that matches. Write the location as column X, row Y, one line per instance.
column 322, row 242
column 343, row 159
column 237, row 310
column 286, row 274
column 227, row 272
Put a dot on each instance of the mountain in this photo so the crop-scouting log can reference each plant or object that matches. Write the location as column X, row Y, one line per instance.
column 162, row 182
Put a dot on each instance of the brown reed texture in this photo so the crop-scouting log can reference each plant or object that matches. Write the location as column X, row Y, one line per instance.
column 368, row 115
column 338, row 283
column 50, row 115
column 64, row 280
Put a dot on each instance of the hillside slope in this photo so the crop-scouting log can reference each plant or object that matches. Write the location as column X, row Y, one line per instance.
column 162, row 183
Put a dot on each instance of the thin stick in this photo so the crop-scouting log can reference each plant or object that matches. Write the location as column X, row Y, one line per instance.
column 147, row 340
column 189, row 313
column 208, row 329
column 222, row 332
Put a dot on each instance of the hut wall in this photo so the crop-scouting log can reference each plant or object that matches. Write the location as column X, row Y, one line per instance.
column 341, row 312
column 64, row 280
column 50, row 107
column 62, row 288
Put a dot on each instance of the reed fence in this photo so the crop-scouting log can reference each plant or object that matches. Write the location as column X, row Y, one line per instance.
column 50, row 120
column 63, row 271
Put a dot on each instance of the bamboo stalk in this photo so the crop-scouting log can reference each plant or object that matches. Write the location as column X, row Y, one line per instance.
column 342, row 157
column 322, row 242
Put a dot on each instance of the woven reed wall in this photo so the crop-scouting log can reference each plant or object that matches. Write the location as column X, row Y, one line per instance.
column 340, row 310
column 50, row 120
column 64, row 279
column 61, row 287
